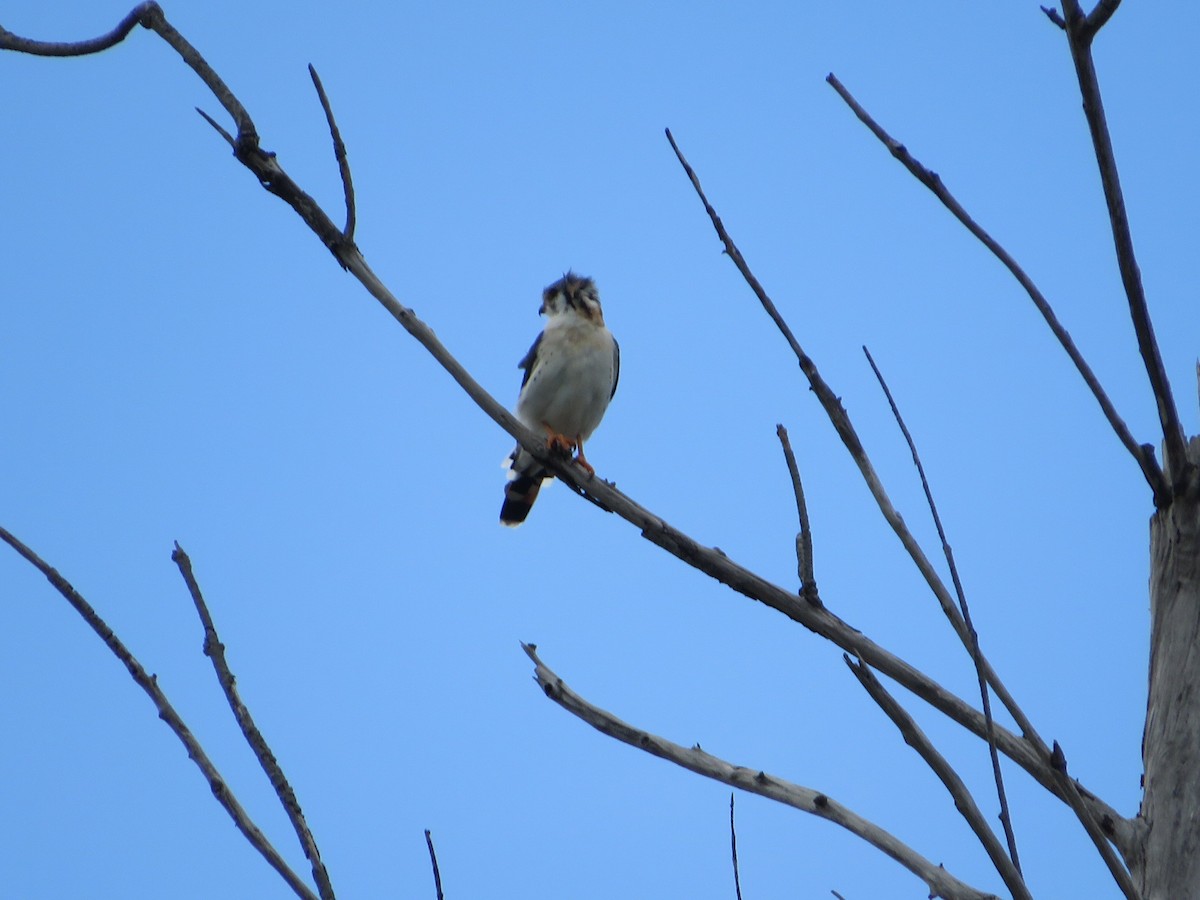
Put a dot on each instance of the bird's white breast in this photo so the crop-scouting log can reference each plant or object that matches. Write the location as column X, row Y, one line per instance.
column 571, row 382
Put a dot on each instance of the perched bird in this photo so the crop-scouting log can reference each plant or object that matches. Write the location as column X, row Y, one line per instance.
column 570, row 375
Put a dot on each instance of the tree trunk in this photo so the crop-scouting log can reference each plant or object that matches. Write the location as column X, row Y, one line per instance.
column 1169, row 867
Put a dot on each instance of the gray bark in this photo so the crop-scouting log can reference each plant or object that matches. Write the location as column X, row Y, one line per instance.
column 1168, row 867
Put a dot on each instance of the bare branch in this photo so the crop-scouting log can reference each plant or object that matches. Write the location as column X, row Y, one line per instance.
column 136, row 16
column 1095, row 831
column 653, row 528
column 737, row 878
column 1080, row 31
column 339, row 152
column 166, row 712
column 1143, row 456
column 1099, row 16
column 976, row 653
column 804, row 547
column 1053, row 16
column 437, row 875
column 963, row 801
column 940, row 882
column 215, row 650
column 218, row 128
column 845, row 429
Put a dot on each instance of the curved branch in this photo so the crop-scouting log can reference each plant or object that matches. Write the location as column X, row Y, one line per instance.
column 1143, row 455
column 941, row 883
column 137, row 16
column 166, row 712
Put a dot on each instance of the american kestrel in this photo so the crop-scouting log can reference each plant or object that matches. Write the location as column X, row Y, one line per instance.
column 570, row 375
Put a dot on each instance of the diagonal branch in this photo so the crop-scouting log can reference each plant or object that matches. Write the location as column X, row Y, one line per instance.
column 215, row 650
column 1143, row 455
column 339, row 153
column 941, row 883
column 976, row 654
column 963, row 801
column 1080, row 31
column 166, row 712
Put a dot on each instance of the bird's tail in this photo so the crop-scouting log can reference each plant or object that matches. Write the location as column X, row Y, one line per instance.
column 525, row 478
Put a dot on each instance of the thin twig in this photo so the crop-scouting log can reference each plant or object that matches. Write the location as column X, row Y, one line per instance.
column 229, row 139
column 1144, row 456
column 976, row 655
column 339, row 152
column 149, row 683
column 737, row 878
column 1080, row 31
column 940, row 882
column 841, row 422
column 963, row 801
column 215, row 651
column 804, row 546
column 437, row 875
column 1053, row 16
column 1116, row 867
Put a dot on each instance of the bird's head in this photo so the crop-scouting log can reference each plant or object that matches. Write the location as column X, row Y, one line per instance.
column 573, row 294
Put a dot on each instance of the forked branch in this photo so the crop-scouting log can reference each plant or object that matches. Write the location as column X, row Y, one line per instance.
column 940, row 882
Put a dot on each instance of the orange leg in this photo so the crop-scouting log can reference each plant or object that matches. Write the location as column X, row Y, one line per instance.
column 582, row 460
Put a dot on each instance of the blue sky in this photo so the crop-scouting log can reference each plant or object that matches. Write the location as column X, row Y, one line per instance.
column 181, row 360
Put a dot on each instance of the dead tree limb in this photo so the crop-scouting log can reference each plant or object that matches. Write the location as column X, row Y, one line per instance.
column 215, row 651
column 149, row 683
column 940, row 882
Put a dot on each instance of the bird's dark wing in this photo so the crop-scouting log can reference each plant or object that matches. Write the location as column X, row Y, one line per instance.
column 527, row 362
column 616, row 367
